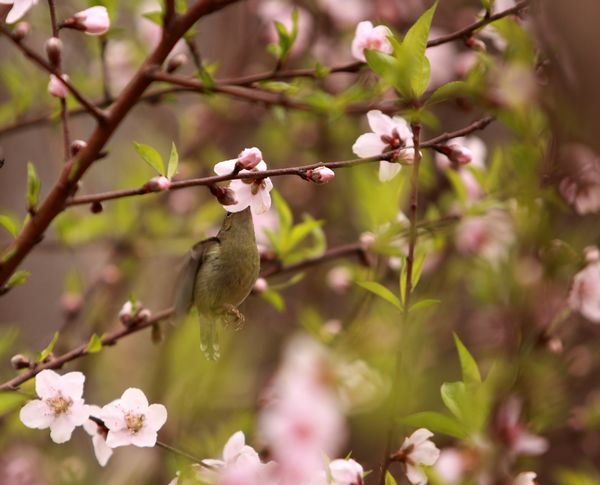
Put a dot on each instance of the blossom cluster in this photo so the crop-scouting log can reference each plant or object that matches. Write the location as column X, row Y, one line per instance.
column 129, row 420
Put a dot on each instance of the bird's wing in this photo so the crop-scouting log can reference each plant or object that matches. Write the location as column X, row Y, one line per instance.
column 184, row 291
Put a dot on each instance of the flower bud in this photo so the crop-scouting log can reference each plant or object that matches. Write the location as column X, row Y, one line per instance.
column 53, row 50
column 92, row 21
column 19, row 362
column 555, row 345
column 592, row 254
column 475, row 44
column 261, row 285
column 249, row 158
column 77, row 146
column 321, row 175
column 21, row 31
column 176, row 62
column 56, row 88
column 125, row 314
column 457, row 154
column 143, row 315
column 71, row 304
column 158, row 184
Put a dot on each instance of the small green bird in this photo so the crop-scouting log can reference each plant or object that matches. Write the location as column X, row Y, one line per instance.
column 217, row 276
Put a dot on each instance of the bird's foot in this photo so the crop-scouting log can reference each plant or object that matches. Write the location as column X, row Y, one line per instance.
column 233, row 317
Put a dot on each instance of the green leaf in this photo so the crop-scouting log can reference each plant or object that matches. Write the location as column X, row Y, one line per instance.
column 470, row 404
column 454, row 89
column 173, row 162
column 454, row 398
column 321, row 70
column 94, row 345
column 488, row 5
column 150, row 156
column 286, row 284
column 155, row 17
column 17, row 279
column 33, row 187
column 470, row 370
column 389, row 479
column 380, row 291
column 436, row 422
column 274, row 298
column 423, row 304
column 48, row 350
column 10, row 401
column 283, row 211
column 286, row 38
column 10, row 224
column 390, row 70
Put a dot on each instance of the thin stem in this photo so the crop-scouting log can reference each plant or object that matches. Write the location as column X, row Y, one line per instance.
column 64, row 116
column 106, row 94
column 53, row 18
column 185, row 454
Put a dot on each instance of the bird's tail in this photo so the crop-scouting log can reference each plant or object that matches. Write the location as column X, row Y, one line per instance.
column 209, row 338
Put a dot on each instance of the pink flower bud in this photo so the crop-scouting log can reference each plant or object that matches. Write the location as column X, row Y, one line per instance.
column 592, row 254
column 57, row 88
column 77, row 146
column 250, row 158
column 54, row 50
column 261, row 285
column 321, row 175
column 93, row 21
column 19, row 361
column 458, row 154
column 158, row 184
column 21, row 30
column 475, row 44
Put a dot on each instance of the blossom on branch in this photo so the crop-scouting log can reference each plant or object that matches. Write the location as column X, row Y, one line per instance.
column 92, row 21
column 387, row 134
column 253, row 193
column 20, row 8
column 584, row 296
column 131, row 421
column 371, row 38
column 57, row 88
column 60, row 407
column 98, row 434
column 417, row 451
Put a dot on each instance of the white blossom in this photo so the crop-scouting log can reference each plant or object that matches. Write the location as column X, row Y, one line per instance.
column 417, row 451
column 346, row 472
column 60, row 407
column 369, row 37
column 94, row 20
column 131, row 421
column 102, row 451
column 387, row 134
column 584, row 296
column 20, row 8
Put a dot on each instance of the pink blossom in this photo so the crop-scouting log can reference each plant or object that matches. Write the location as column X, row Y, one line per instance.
column 57, row 88
column 387, row 134
column 132, row 421
column 515, row 435
column 417, row 451
column 346, row 472
column 450, row 466
column 488, row 236
column 93, row 20
column 267, row 222
column 20, row 8
column 321, row 175
column 339, row 279
column 250, row 158
column 371, row 38
column 347, row 13
column 102, row 451
column 60, row 407
column 247, row 192
column 261, row 285
column 160, row 183
column 584, row 296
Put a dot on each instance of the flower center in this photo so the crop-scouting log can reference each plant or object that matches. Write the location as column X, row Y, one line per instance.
column 393, row 141
column 134, row 422
column 59, row 404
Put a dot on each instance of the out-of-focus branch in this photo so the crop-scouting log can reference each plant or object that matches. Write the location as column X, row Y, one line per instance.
column 74, row 169
column 277, row 172
column 41, row 62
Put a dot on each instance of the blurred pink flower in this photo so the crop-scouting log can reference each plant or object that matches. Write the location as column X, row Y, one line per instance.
column 94, row 20
column 443, row 61
column 271, row 11
column 60, row 407
column 20, row 8
column 513, row 432
column 372, row 38
column 264, row 223
column 488, row 236
column 417, row 451
column 347, row 13
column 57, row 88
column 584, row 296
column 253, row 193
column 450, row 466
column 132, row 421
column 387, row 134
column 346, row 472
column 102, row 451
column 339, row 279
column 525, row 478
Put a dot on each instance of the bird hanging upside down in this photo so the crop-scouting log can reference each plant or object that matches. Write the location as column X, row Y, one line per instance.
column 217, row 276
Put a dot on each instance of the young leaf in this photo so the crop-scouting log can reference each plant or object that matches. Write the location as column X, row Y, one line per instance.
column 448, row 91
column 274, row 298
column 436, row 422
column 470, row 371
column 423, row 304
column 283, row 211
column 33, row 187
column 94, row 345
column 173, row 162
column 389, row 479
column 9, row 224
column 150, row 156
column 381, row 291
column 48, row 350
column 17, row 279
column 10, row 401
column 155, row 17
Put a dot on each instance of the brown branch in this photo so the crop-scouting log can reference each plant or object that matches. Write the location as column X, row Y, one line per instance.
column 41, row 62
column 277, row 172
column 73, row 170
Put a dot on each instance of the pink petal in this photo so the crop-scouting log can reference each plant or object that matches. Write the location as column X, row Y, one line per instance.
column 234, row 446
column 144, row 438
column 226, row 167
column 118, row 438
column 425, row 453
column 261, row 202
column 19, row 9
column 419, row 436
column 71, row 384
column 90, row 426
column 102, row 451
column 47, row 384
column 36, row 414
column 387, row 170
column 135, row 400
column 156, row 416
column 79, row 413
column 113, row 417
column 368, row 145
column 380, row 123
column 61, row 429
column 415, row 475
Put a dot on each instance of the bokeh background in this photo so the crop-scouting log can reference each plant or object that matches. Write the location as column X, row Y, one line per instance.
column 505, row 293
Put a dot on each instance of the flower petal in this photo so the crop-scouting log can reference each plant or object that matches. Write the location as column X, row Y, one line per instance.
column 102, row 451
column 79, row 413
column 36, row 414
column 226, row 167
column 114, row 439
column 234, row 446
column 113, row 416
column 90, row 426
column 380, row 123
column 415, row 475
column 261, row 202
column 368, row 145
column 425, row 453
column 134, row 400
column 156, row 416
column 419, row 436
column 20, row 8
column 243, row 195
column 144, row 438
column 387, row 170
column 47, row 384
column 61, row 429
column 71, row 384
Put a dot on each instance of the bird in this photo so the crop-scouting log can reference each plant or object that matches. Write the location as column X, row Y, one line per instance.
column 217, row 276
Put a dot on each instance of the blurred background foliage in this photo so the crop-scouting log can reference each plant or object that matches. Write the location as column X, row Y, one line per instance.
column 501, row 302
